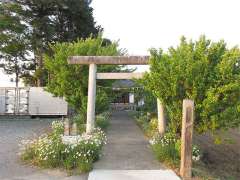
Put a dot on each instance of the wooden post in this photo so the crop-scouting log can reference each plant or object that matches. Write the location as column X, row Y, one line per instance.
column 186, row 139
column 91, row 98
column 74, row 130
column 161, row 117
column 67, row 127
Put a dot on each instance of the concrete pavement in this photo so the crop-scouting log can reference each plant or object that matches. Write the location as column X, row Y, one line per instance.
column 127, row 148
column 126, row 156
column 12, row 131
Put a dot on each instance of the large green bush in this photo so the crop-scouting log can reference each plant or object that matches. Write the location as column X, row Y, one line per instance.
column 207, row 72
column 71, row 81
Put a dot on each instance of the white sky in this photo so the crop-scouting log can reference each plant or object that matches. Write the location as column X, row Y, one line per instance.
column 142, row 24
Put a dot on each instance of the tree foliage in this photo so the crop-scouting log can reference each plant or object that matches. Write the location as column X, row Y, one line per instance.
column 207, row 72
column 51, row 21
column 13, row 41
column 71, row 81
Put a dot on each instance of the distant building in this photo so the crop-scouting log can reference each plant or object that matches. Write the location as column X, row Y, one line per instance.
column 125, row 97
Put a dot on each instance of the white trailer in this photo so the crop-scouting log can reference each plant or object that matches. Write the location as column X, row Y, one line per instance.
column 2, row 101
column 33, row 101
column 44, row 103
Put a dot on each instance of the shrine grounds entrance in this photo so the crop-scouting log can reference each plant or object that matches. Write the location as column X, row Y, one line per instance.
column 188, row 105
column 93, row 61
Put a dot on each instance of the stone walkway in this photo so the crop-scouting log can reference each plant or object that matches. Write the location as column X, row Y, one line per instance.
column 127, row 155
column 127, row 148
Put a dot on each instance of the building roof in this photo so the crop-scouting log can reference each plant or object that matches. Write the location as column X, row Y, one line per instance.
column 124, row 83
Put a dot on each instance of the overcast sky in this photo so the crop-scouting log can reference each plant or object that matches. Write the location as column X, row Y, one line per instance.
column 142, row 24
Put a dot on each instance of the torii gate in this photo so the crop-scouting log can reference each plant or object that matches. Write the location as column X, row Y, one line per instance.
column 92, row 61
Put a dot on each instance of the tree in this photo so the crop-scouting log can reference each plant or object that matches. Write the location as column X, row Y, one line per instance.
column 205, row 71
column 13, row 42
column 51, row 21
column 74, row 19
column 71, row 81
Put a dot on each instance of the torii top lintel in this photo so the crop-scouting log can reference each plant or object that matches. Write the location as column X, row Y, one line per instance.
column 121, row 60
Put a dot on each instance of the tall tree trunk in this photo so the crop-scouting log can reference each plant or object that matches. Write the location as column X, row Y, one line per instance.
column 16, row 72
column 16, row 106
column 40, row 78
column 17, row 79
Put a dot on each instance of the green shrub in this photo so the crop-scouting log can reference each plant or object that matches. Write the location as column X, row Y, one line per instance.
column 80, row 120
column 153, row 127
column 142, row 121
column 207, row 72
column 71, row 81
column 84, row 166
column 102, row 120
column 149, row 127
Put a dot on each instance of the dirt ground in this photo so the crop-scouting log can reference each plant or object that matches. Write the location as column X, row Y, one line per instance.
column 221, row 160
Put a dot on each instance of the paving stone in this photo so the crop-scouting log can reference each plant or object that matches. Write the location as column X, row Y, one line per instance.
column 132, row 175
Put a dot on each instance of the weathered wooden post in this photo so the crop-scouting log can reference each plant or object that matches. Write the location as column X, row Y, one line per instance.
column 186, row 139
column 74, row 130
column 161, row 117
column 91, row 98
column 67, row 127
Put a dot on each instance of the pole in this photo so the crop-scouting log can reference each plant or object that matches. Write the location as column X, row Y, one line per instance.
column 91, row 98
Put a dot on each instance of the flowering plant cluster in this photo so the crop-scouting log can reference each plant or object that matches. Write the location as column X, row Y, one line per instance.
column 58, row 127
column 165, row 140
column 168, row 147
column 196, row 153
column 56, row 150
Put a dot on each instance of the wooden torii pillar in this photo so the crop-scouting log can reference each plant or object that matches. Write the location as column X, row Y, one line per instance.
column 92, row 61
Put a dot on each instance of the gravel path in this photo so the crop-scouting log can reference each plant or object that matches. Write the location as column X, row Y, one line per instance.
column 127, row 148
column 12, row 131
